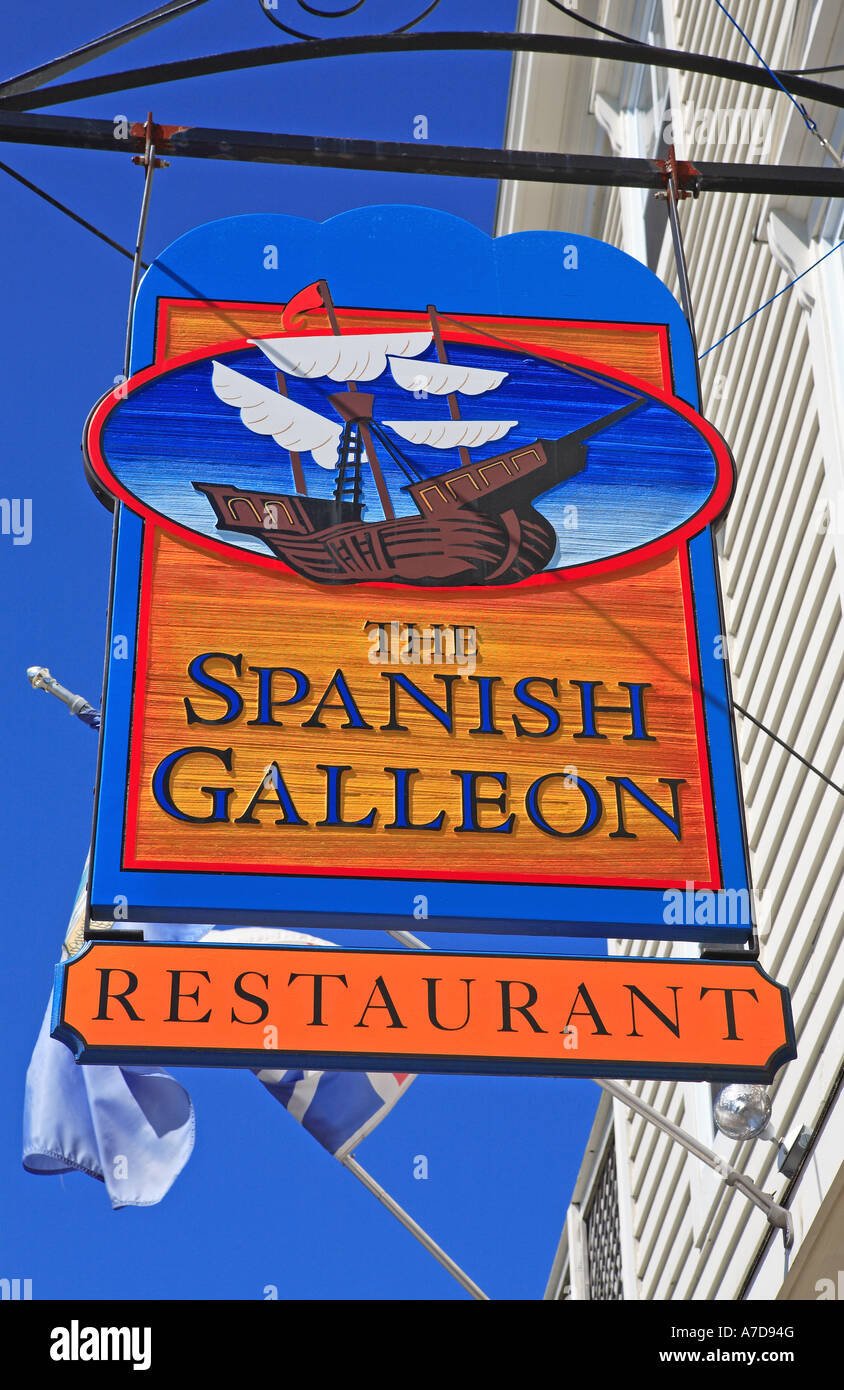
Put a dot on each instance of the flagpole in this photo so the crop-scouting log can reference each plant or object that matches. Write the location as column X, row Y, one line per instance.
column 406, row 938
column 413, row 943
column 40, row 679
column 415, row 1229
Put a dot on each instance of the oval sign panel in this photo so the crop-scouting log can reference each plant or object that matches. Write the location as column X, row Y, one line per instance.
column 455, row 461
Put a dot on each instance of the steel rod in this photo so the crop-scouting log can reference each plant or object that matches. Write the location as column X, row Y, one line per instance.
column 680, row 262
column 777, row 1215
column 137, row 258
column 683, row 276
column 415, row 1229
column 533, row 166
column 406, row 938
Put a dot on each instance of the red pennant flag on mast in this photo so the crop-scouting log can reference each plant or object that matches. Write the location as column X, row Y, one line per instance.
column 308, row 298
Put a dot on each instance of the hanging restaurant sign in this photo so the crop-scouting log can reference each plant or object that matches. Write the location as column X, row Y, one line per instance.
column 415, row 610
column 420, row 1011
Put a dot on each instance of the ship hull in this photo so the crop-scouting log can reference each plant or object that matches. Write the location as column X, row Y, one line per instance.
column 450, row 551
column 460, row 548
column 476, row 525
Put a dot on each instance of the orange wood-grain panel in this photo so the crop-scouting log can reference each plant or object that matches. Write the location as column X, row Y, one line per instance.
column 627, row 627
column 186, row 325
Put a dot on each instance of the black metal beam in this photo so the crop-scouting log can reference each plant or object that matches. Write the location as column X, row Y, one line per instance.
column 255, row 146
column 35, row 78
column 458, row 41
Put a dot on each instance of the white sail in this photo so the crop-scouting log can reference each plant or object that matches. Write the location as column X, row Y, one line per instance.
column 263, row 411
column 441, row 378
column 348, row 357
column 450, row 434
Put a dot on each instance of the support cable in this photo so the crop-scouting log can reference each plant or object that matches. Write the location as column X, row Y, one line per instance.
column 68, row 212
column 788, row 748
column 837, row 247
column 810, row 124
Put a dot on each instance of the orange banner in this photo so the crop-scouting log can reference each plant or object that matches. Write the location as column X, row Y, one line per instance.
column 259, row 1006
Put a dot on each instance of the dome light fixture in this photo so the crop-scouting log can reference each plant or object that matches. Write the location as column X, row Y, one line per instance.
column 742, row 1111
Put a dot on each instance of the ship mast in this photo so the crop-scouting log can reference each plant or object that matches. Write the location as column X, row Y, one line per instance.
column 365, row 432
column 299, row 482
column 442, row 356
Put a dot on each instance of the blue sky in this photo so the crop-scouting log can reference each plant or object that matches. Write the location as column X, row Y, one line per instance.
column 259, row 1203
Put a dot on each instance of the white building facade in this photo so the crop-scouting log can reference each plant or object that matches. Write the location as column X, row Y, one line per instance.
column 647, row 1220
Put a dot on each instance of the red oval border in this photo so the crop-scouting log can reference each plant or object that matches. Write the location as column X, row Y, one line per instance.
column 708, row 512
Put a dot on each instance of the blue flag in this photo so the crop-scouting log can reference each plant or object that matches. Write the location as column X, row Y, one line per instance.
column 337, row 1108
column 133, row 1127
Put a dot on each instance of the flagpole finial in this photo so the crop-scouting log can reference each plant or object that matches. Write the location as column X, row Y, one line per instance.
column 40, row 678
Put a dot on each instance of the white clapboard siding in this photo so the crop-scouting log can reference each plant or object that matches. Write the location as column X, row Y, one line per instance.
column 691, row 1238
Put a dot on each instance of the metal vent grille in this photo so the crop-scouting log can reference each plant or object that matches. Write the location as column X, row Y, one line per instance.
column 603, row 1239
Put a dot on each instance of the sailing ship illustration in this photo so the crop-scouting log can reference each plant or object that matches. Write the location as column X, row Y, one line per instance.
column 475, row 523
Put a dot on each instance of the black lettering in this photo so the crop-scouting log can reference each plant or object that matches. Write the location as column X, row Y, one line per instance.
column 507, row 1006
column 176, row 996
column 432, row 982
column 387, row 1004
column 636, row 993
column 131, row 986
column 251, row 998
column 729, row 1007
column 582, row 993
column 317, row 1021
